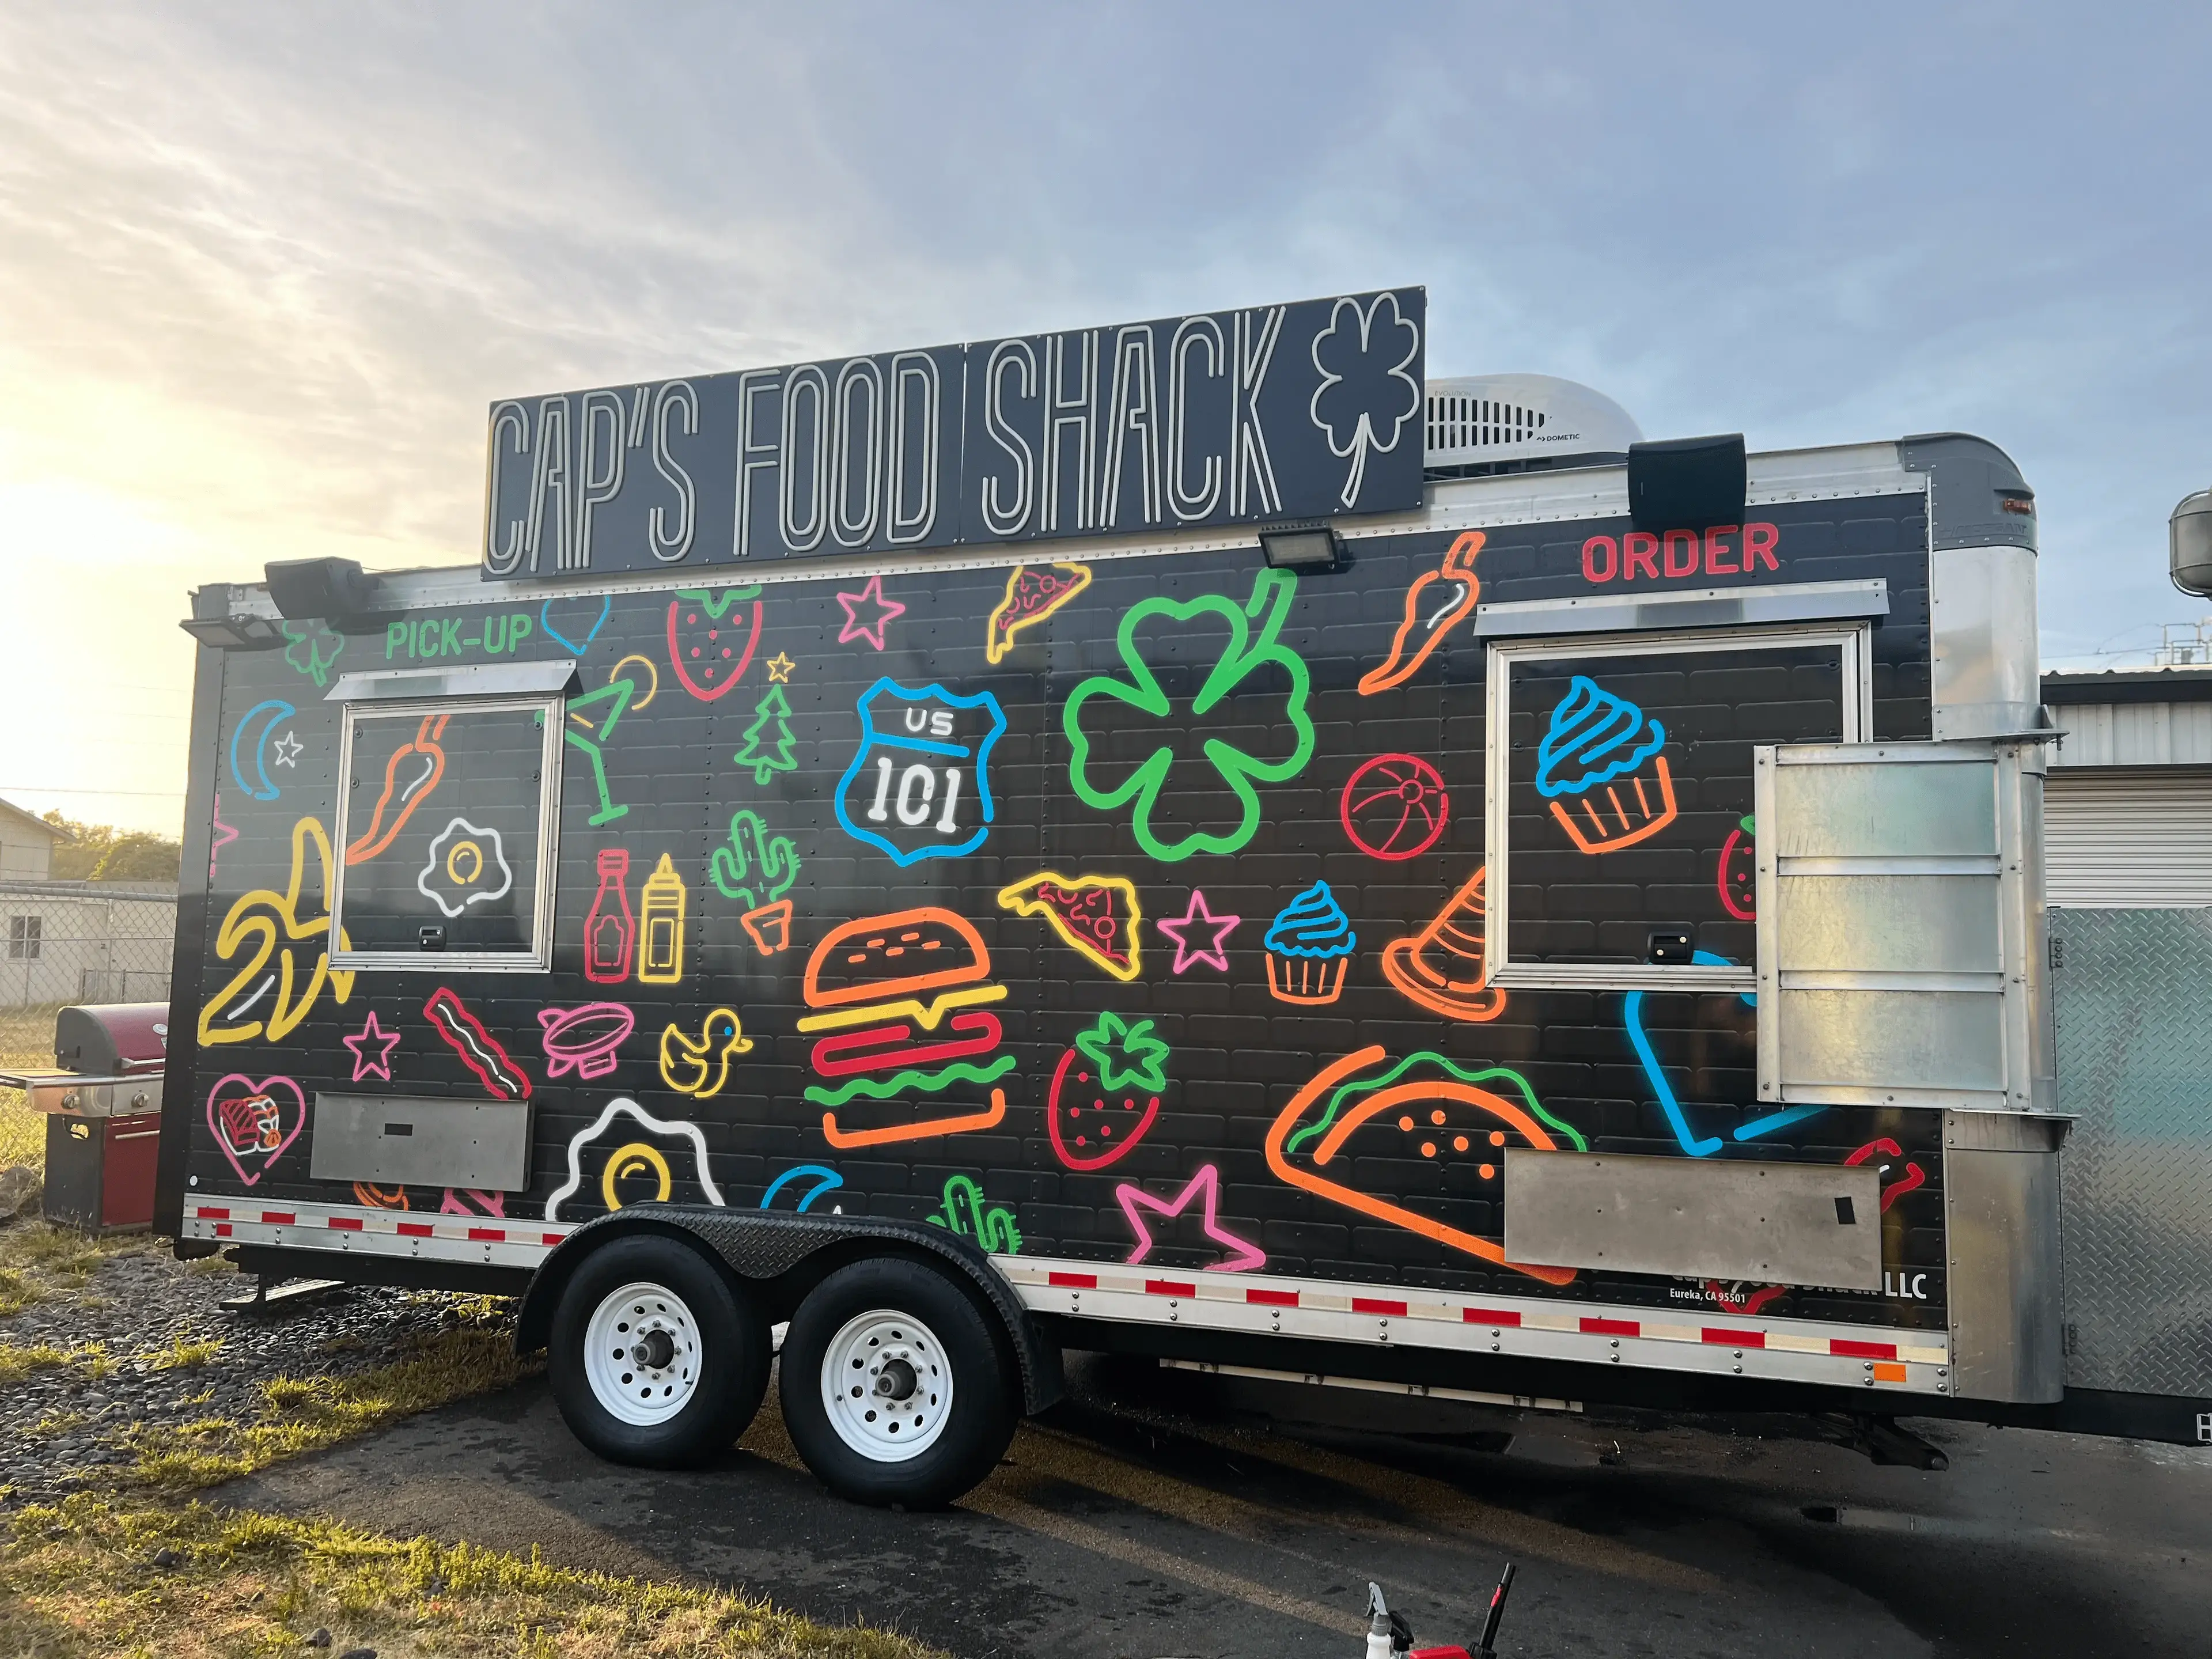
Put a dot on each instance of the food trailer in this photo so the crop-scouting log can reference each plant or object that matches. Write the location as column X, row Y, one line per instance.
column 1184, row 838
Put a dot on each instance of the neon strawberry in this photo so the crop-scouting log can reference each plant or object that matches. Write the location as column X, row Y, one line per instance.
column 1106, row 1092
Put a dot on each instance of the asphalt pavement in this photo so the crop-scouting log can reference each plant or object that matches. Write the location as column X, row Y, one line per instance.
column 1153, row 1515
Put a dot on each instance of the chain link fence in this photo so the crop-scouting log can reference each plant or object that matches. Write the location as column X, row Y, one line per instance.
column 82, row 941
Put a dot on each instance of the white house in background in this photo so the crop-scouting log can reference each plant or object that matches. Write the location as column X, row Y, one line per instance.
column 27, row 844
column 76, row 941
column 2127, row 808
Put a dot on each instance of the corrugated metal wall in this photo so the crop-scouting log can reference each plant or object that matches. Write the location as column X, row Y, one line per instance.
column 2122, row 840
column 2135, row 734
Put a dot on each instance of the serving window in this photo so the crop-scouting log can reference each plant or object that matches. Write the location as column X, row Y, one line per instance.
column 447, row 813
column 1622, row 845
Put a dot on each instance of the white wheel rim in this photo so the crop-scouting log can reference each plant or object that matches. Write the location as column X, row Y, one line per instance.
column 887, row 1386
column 641, row 1353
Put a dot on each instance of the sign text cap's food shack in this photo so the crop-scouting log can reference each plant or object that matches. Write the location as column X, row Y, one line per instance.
column 1305, row 410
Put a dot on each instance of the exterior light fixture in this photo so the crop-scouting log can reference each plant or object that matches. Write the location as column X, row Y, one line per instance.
column 1302, row 547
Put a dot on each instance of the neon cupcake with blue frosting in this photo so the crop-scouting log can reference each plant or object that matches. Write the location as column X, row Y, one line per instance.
column 1602, row 768
column 1309, row 946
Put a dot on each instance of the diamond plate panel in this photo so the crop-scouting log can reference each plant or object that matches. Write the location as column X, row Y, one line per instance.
column 2133, row 991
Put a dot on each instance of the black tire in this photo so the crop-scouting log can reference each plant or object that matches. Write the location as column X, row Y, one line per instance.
column 982, row 1412
column 733, row 1353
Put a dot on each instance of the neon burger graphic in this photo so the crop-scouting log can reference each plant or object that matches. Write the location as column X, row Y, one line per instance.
column 898, row 1020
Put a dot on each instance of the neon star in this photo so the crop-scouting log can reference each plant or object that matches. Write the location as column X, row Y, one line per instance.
column 780, row 665
column 1204, row 1185
column 1197, row 919
column 287, row 749
column 880, row 610
column 224, row 835
column 372, row 1035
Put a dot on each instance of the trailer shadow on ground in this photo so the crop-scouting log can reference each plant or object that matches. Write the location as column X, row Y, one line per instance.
column 1143, row 1516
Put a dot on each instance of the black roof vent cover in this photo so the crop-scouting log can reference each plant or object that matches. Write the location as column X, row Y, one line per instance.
column 1686, row 483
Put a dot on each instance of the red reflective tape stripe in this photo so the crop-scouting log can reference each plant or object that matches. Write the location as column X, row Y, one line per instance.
column 278, row 1218
column 1728, row 1339
column 1611, row 1328
column 413, row 1229
column 1169, row 1287
column 1077, row 1281
column 1843, row 1350
column 209, row 1213
column 223, row 1230
column 487, row 1235
column 1370, row 1305
column 1273, row 1298
column 554, row 1238
column 1490, row 1317
column 346, row 1222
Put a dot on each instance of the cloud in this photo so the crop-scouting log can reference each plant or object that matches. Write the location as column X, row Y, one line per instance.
column 263, row 268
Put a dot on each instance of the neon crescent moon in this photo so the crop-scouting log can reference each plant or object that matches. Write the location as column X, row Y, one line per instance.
column 277, row 709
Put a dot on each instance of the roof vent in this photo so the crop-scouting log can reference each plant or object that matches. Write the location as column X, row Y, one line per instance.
column 1484, row 423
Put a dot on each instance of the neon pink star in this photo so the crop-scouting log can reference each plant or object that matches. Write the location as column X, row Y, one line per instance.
column 224, row 835
column 1197, row 918
column 1206, row 1184
column 372, row 1035
column 880, row 610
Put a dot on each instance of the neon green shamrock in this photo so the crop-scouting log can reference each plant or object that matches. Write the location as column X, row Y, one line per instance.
column 1253, row 646
column 312, row 653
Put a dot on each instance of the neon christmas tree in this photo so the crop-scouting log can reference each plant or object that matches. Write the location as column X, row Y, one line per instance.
column 769, row 754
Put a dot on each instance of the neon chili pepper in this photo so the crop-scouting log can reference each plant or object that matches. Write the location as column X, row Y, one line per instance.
column 1437, row 602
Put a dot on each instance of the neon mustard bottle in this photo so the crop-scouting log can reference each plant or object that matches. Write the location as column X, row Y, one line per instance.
column 660, row 918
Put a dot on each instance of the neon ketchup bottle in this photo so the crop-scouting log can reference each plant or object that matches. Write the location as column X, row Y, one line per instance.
column 609, row 930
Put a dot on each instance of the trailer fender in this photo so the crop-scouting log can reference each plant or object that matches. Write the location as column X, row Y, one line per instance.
column 783, row 1256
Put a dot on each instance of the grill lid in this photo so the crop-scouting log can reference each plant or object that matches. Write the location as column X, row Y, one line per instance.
column 116, row 1039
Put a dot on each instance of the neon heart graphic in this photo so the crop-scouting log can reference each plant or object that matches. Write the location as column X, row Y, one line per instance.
column 254, row 1121
column 546, row 626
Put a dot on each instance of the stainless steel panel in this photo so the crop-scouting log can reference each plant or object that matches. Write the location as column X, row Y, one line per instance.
column 496, row 679
column 1983, row 676
column 1782, row 1224
column 2134, row 1003
column 1877, row 922
column 2001, row 1229
column 1902, row 1039
column 1923, row 809
column 1702, row 607
column 402, row 1141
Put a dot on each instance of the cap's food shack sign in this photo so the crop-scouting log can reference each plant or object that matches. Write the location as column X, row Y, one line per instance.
column 1304, row 410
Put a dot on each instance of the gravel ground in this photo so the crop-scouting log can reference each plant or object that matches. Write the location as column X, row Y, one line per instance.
column 59, row 1424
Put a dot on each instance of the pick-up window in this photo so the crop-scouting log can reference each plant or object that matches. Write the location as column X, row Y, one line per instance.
column 446, row 814
column 1623, row 843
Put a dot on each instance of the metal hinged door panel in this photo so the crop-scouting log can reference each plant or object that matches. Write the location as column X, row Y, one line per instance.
column 1894, row 926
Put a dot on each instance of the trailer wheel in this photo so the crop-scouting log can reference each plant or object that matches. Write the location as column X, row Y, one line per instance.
column 656, row 1359
column 895, row 1389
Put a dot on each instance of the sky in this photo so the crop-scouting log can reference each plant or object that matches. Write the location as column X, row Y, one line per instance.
column 263, row 267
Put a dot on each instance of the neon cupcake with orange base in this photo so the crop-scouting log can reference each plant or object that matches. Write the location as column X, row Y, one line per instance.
column 1309, row 946
column 1601, row 767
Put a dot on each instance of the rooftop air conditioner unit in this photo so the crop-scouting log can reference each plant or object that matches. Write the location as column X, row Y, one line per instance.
column 1484, row 423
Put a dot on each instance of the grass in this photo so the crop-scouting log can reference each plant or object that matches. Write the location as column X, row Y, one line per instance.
column 26, row 1039
column 18, row 1363
column 136, row 1570
column 94, row 1576
column 37, row 1260
column 305, row 1415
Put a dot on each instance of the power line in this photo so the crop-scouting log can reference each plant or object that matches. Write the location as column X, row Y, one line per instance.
column 43, row 789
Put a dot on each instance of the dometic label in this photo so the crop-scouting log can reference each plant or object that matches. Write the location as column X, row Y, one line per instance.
column 1309, row 410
